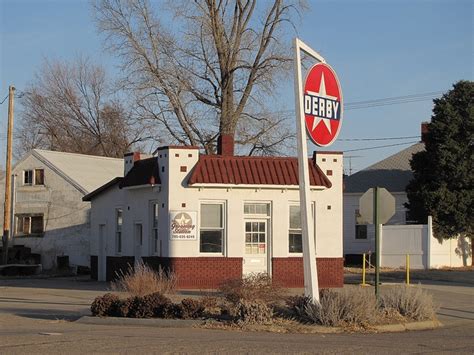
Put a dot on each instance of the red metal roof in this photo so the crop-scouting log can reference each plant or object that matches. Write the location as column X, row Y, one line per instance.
column 234, row 170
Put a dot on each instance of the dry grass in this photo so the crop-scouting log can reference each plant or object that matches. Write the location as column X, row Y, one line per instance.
column 346, row 307
column 409, row 302
column 141, row 280
column 253, row 287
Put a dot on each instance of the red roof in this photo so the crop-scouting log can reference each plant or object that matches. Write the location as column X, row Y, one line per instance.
column 143, row 172
column 234, row 170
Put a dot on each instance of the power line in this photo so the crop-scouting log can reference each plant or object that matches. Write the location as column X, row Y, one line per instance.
column 6, row 97
column 377, row 139
column 379, row 146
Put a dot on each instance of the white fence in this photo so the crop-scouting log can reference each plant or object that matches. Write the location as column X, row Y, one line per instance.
column 424, row 249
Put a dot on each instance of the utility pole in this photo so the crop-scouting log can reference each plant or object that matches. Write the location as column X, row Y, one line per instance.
column 8, row 174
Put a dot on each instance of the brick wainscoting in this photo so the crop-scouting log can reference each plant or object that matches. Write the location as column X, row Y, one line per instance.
column 289, row 272
column 117, row 264
column 94, row 267
column 199, row 273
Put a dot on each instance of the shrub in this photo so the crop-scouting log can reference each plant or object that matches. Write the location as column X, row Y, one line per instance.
column 158, row 303
column 253, row 287
column 142, row 280
column 296, row 304
column 410, row 302
column 138, row 307
column 191, row 308
column 104, row 305
column 254, row 312
column 343, row 307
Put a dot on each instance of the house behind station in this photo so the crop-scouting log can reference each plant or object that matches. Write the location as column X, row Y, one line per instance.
column 49, row 214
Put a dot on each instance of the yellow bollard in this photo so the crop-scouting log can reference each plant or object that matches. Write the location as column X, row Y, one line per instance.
column 363, row 271
column 408, row 268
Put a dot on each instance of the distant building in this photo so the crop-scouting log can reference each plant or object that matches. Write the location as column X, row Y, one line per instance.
column 211, row 218
column 392, row 173
column 50, row 216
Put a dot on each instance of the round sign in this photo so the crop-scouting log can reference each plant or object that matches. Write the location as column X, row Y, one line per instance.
column 322, row 104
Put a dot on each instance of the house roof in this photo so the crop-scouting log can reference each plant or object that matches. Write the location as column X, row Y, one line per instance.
column 85, row 172
column 235, row 170
column 101, row 189
column 393, row 173
column 143, row 172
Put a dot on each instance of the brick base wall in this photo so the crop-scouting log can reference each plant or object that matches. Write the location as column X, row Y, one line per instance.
column 117, row 264
column 199, row 273
column 289, row 272
column 94, row 267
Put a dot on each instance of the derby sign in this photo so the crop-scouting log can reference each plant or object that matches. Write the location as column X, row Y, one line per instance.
column 322, row 104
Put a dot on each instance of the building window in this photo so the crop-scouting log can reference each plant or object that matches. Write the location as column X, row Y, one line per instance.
column 39, row 177
column 29, row 225
column 360, row 229
column 28, row 177
column 118, row 230
column 212, row 228
column 294, row 233
column 257, row 208
column 154, row 229
column 33, row 177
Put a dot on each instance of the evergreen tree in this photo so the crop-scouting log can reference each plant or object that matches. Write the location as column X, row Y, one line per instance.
column 443, row 174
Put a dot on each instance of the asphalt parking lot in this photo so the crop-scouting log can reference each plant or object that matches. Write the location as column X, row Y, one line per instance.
column 37, row 316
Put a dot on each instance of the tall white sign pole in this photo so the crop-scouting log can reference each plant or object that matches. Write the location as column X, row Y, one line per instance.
column 311, row 288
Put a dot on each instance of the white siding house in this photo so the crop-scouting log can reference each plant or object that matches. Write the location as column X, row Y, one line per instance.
column 50, row 216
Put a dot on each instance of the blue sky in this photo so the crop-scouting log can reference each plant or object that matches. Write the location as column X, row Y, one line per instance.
column 378, row 48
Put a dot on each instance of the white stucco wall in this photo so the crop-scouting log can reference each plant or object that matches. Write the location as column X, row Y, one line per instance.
column 173, row 194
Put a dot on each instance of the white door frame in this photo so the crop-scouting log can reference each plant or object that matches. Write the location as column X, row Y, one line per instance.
column 264, row 257
column 137, row 241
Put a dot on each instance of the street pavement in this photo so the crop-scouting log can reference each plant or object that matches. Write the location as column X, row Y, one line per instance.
column 37, row 316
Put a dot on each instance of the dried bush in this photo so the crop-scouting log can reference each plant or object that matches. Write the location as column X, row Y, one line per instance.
column 343, row 307
column 296, row 304
column 158, row 303
column 410, row 302
column 141, row 280
column 138, row 307
column 191, row 308
column 253, row 287
column 104, row 305
column 254, row 312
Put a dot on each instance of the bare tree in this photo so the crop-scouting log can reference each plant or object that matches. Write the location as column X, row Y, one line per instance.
column 70, row 107
column 216, row 75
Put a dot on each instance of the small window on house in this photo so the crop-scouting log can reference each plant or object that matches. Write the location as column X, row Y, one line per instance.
column 118, row 230
column 257, row 208
column 360, row 229
column 39, row 177
column 294, row 233
column 212, row 228
column 29, row 225
column 154, row 233
column 28, row 177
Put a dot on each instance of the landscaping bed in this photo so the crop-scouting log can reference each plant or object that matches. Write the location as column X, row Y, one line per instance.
column 255, row 303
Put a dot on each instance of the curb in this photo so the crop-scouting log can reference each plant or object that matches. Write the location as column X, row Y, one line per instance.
column 186, row 323
column 156, row 322
column 401, row 327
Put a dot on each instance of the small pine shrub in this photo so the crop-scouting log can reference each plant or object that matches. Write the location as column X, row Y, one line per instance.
column 141, row 280
column 158, row 303
column 191, row 308
column 104, row 305
column 253, row 287
column 139, row 308
column 410, row 302
column 254, row 312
